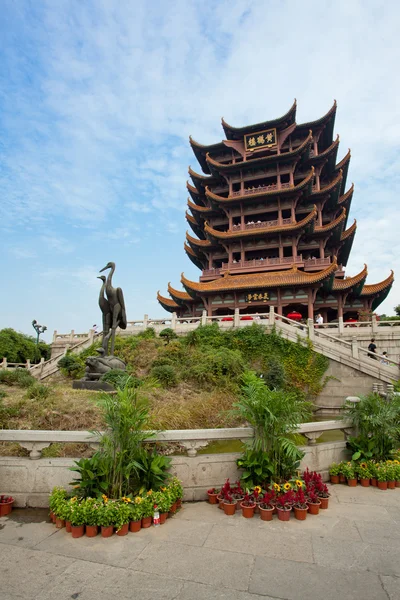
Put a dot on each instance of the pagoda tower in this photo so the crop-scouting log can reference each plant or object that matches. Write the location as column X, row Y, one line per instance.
column 269, row 220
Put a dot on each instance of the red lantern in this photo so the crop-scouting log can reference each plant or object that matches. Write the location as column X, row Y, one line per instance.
column 295, row 316
column 227, row 319
column 246, row 318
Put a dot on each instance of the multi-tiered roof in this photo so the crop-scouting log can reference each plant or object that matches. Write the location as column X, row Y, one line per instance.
column 269, row 216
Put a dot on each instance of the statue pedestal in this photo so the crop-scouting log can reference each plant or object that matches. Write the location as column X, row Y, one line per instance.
column 95, row 386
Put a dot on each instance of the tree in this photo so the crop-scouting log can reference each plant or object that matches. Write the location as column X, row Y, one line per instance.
column 168, row 334
column 397, row 310
column 19, row 347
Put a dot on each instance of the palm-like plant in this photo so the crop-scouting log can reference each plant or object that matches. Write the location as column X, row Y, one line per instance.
column 377, row 422
column 275, row 416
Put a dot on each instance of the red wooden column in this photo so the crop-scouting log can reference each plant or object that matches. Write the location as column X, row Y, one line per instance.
column 279, row 299
column 310, row 304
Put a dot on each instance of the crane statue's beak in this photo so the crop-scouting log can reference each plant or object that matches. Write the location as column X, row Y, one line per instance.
column 104, row 268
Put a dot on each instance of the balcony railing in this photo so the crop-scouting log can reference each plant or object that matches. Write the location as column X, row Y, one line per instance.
column 317, row 262
column 261, row 189
column 262, row 224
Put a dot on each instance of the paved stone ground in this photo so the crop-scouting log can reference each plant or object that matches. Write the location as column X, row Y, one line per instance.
column 350, row 551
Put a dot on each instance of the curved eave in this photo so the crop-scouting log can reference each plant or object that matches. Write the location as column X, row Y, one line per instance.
column 193, row 257
column 202, row 210
column 329, row 188
column 257, row 162
column 326, row 123
column 237, row 133
column 355, row 283
column 197, row 196
column 377, row 288
column 201, row 181
column 167, row 303
column 196, row 228
column 178, row 296
column 196, row 244
column 346, row 240
column 260, row 281
column 343, row 165
column 345, row 199
column 329, row 155
column 333, row 225
column 201, row 150
column 288, row 191
column 307, row 222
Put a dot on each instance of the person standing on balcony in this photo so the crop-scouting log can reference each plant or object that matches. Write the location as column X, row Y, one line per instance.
column 319, row 319
column 372, row 349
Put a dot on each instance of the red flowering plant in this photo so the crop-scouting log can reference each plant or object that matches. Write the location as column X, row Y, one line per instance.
column 268, row 500
column 312, row 497
column 300, row 500
column 226, row 488
column 237, row 491
column 248, row 500
column 229, row 499
column 285, row 501
column 213, row 491
column 321, row 490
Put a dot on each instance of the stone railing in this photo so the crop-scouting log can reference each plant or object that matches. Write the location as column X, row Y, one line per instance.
column 191, row 439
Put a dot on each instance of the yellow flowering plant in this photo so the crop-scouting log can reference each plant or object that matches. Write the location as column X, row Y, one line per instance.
column 163, row 500
column 363, row 470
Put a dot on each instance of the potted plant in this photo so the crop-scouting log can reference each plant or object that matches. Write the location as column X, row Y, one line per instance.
column 323, row 494
column 122, row 515
column 390, row 475
column 57, row 496
column 248, row 507
column 284, row 505
column 300, row 506
column 342, row 476
column 213, row 494
column 396, row 466
column 313, row 502
column 164, row 502
column 77, row 518
column 381, row 476
column 372, row 468
column 334, row 471
column 176, row 490
column 135, row 515
column 267, row 506
column 90, row 508
column 106, row 517
column 6, row 504
column 147, row 512
column 349, row 473
column 255, row 495
column 229, row 504
column 364, row 474
column 238, row 494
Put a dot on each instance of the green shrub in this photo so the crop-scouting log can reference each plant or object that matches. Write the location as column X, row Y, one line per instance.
column 168, row 334
column 165, row 374
column 70, row 365
column 38, row 391
column 274, row 375
column 19, row 377
column 161, row 361
column 207, row 335
column 120, row 379
column 6, row 412
column 216, row 366
column 147, row 334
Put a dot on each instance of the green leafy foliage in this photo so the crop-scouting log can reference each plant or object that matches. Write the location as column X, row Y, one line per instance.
column 377, row 422
column 38, row 391
column 165, row 374
column 6, row 412
column 120, row 379
column 257, row 468
column 18, row 347
column 153, row 469
column 92, row 481
column 18, row 377
column 70, row 365
column 168, row 334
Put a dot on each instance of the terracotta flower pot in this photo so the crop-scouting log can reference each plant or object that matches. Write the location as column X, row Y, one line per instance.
column 373, row 481
column 239, row 502
column 135, row 526
column 334, row 478
column 212, row 498
column 60, row 523
column 146, row 522
column 283, row 514
column 248, row 511
column 179, row 503
column 172, row 510
column 163, row 518
column 91, row 530
column 398, row 483
column 324, row 503
column 220, row 503
column 352, row 482
column 124, row 529
column 383, row 485
column 300, row 513
column 229, row 508
column 342, row 479
column 51, row 514
column 266, row 514
column 107, row 531
column 313, row 507
column 391, row 485
column 77, row 531
column 68, row 526
column 365, row 482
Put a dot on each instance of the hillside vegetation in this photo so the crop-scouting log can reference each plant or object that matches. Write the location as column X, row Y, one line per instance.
column 191, row 382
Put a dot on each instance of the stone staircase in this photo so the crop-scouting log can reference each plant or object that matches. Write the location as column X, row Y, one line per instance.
column 49, row 367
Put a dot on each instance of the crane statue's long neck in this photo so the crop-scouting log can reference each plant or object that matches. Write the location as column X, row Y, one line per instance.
column 109, row 278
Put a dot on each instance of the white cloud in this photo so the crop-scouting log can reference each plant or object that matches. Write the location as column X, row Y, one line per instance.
column 140, row 208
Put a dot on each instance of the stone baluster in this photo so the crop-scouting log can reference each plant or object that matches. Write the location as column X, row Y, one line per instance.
column 4, row 363
column 312, row 437
column 311, row 331
column 173, row 321
column 204, row 317
column 354, row 348
column 375, row 324
column 145, row 321
column 271, row 315
column 34, row 448
column 193, row 445
column 236, row 318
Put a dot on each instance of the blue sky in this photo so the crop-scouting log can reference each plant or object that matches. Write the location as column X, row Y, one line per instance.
column 98, row 99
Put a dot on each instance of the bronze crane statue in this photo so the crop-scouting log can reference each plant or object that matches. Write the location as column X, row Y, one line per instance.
column 107, row 315
column 116, row 303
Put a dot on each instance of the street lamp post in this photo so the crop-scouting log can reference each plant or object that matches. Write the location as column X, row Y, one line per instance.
column 39, row 329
